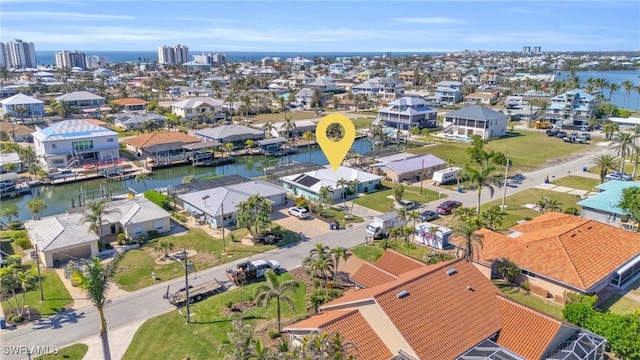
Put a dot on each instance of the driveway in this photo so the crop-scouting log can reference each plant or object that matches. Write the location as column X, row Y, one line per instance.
column 309, row 227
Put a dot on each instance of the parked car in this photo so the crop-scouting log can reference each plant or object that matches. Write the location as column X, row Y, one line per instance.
column 405, row 204
column 616, row 175
column 517, row 177
column 448, row 206
column 552, row 132
column 428, row 215
column 299, row 212
column 586, row 135
column 561, row 134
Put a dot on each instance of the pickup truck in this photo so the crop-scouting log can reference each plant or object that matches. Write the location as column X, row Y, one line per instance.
column 252, row 270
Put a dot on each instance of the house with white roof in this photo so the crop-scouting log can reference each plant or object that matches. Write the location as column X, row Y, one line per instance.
column 574, row 107
column 412, row 169
column 34, row 107
column 321, row 84
column 218, row 206
column 388, row 88
column 194, row 107
column 301, row 127
column 11, row 158
column 475, row 120
column 308, row 184
column 74, row 142
column 83, row 100
column 305, row 96
column 407, row 112
column 133, row 121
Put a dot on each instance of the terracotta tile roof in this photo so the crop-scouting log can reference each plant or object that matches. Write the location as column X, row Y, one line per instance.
column 396, row 263
column 369, row 276
column 129, row 101
column 96, row 122
column 525, row 332
column 156, row 138
column 20, row 129
column 563, row 247
column 320, row 320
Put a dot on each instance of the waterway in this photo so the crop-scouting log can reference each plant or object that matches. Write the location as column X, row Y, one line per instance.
column 614, row 76
column 58, row 198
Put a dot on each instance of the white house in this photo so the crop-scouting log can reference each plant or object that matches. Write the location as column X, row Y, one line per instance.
column 321, row 84
column 34, row 107
column 407, row 112
column 309, row 184
column 73, row 142
column 475, row 120
column 82, row 100
column 221, row 202
column 11, row 158
column 133, row 121
column 192, row 108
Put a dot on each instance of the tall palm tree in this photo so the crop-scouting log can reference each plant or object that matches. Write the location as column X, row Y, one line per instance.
column 36, row 206
column 395, row 233
column 323, row 266
column 95, row 280
column 325, row 195
column 21, row 110
column 483, row 178
column 613, row 87
column 466, row 223
column 267, row 127
column 414, row 216
column 273, row 288
column 308, row 136
column 353, row 187
column 9, row 212
column 289, row 127
column 342, row 184
column 606, row 163
column 623, row 144
column 338, row 253
column 94, row 214
column 628, row 87
column 142, row 177
column 637, row 89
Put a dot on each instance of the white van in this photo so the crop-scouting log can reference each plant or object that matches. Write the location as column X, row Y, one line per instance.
column 446, row 176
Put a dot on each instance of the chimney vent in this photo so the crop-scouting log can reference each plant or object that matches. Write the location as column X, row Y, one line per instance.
column 452, row 271
column 402, row 294
column 470, row 288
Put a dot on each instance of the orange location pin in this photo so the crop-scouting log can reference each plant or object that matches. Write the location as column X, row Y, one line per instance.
column 335, row 151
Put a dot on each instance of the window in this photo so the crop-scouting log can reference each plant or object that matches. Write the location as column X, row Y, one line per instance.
column 528, row 273
column 110, row 140
column 83, row 145
column 57, row 161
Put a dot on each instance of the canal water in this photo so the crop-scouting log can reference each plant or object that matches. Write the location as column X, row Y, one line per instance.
column 58, row 198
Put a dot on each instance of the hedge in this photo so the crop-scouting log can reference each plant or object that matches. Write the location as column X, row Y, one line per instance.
column 157, row 198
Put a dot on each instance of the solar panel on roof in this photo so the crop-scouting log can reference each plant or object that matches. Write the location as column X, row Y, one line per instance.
column 299, row 177
column 308, row 181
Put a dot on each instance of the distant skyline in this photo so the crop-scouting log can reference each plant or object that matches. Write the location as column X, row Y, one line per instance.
column 328, row 26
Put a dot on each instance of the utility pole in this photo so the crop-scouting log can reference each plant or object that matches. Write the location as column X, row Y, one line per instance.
column 39, row 277
column 506, row 175
column 224, row 247
column 421, row 176
column 186, row 282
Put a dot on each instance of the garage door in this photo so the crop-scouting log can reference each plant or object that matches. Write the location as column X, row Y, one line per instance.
column 79, row 252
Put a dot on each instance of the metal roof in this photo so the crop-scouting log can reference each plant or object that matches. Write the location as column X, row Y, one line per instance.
column 71, row 129
column 20, row 99
column 278, row 140
column 608, row 200
column 202, row 145
column 476, row 112
column 79, row 95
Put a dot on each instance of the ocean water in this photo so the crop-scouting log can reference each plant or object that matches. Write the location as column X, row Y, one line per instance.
column 619, row 97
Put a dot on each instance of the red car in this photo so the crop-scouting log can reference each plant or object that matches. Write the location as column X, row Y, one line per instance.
column 447, row 207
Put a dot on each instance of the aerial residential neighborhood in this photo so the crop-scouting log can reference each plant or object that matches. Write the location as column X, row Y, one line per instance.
column 177, row 203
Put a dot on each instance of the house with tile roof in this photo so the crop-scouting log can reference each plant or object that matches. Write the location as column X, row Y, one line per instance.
column 34, row 107
column 560, row 252
column 162, row 147
column 22, row 132
column 75, row 142
column 405, row 113
column 130, row 104
column 603, row 207
column 395, row 316
column 475, row 120
column 309, row 184
column 195, row 107
column 412, row 169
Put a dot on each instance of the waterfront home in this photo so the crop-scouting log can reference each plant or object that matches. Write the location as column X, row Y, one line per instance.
column 65, row 237
column 130, row 104
column 561, row 253
column 33, row 106
column 574, row 107
column 134, row 121
column 447, row 95
column 22, row 133
column 388, row 88
column 235, row 134
column 405, row 113
column 324, row 85
column 482, row 98
column 164, row 148
column 193, row 108
column 475, row 120
column 83, row 100
column 309, row 184
column 10, row 158
column 218, row 206
column 386, row 318
column 271, row 146
column 413, row 169
column 603, row 207
column 75, row 142
column 301, row 126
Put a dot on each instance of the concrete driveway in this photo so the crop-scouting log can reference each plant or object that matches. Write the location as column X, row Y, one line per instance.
column 309, row 227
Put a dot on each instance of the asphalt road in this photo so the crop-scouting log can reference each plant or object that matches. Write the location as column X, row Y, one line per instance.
column 72, row 326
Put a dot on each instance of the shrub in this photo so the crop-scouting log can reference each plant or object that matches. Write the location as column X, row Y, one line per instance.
column 301, row 202
column 15, row 225
column 572, row 211
column 178, row 217
column 122, row 239
column 316, row 283
column 24, row 243
column 525, row 285
column 509, row 270
column 16, row 318
column 152, row 234
column 157, row 198
column 273, row 334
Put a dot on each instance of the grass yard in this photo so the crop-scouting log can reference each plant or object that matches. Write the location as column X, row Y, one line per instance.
column 362, row 123
column 8, row 241
column 577, row 182
column 619, row 305
column 339, row 215
column 527, row 150
column 136, row 266
column 276, row 117
column 364, row 112
column 56, row 296
column 168, row 337
column 380, row 201
column 372, row 252
column 534, row 301
column 367, row 253
column 73, row 352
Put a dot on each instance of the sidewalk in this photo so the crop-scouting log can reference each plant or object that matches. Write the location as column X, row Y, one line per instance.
column 119, row 341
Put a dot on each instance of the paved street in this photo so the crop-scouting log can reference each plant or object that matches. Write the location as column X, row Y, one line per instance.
column 70, row 327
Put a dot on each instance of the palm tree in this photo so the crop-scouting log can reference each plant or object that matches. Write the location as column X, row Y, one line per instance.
column 623, row 144
column 95, row 280
column 414, row 216
column 542, row 204
column 483, row 178
column 606, row 163
column 325, row 195
column 342, row 184
column 308, row 136
column 289, row 126
column 637, row 89
column 554, row 205
column 267, row 127
column 628, row 87
column 36, row 206
column 613, row 87
column 228, row 148
column 9, row 212
column 249, row 144
column 142, row 177
column 466, row 224
column 21, row 110
column 239, row 341
column 338, row 253
column 395, row 233
column 323, row 266
column 353, row 187
column 273, row 288
column 94, row 215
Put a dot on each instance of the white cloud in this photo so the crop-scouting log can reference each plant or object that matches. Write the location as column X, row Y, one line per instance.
column 430, row 20
column 61, row 16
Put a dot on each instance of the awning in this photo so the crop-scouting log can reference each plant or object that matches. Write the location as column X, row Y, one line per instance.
column 277, row 140
column 202, row 145
column 628, row 265
column 8, row 177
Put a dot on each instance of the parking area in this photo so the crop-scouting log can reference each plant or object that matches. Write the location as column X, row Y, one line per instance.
column 309, row 227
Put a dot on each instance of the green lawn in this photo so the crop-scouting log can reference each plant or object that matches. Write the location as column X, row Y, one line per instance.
column 364, row 112
column 619, row 305
column 527, row 150
column 534, row 301
column 372, row 252
column 339, row 215
column 379, row 200
column 168, row 337
column 367, row 253
column 276, row 117
column 136, row 266
column 8, row 241
column 56, row 296
column 362, row 123
column 577, row 182
column 73, row 352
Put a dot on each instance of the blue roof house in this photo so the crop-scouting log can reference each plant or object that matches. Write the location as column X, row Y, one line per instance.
column 603, row 207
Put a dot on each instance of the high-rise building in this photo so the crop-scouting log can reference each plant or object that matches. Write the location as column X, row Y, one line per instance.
column 526, row 49
column 73, row 59
column 95, row 62
column 173, row 55
column 217, row 59
column 19, row 54
column 537, row 49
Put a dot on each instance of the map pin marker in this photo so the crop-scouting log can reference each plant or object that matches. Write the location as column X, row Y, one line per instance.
column 335, row 150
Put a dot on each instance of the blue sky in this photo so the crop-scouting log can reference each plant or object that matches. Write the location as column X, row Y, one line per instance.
column 301, row 26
